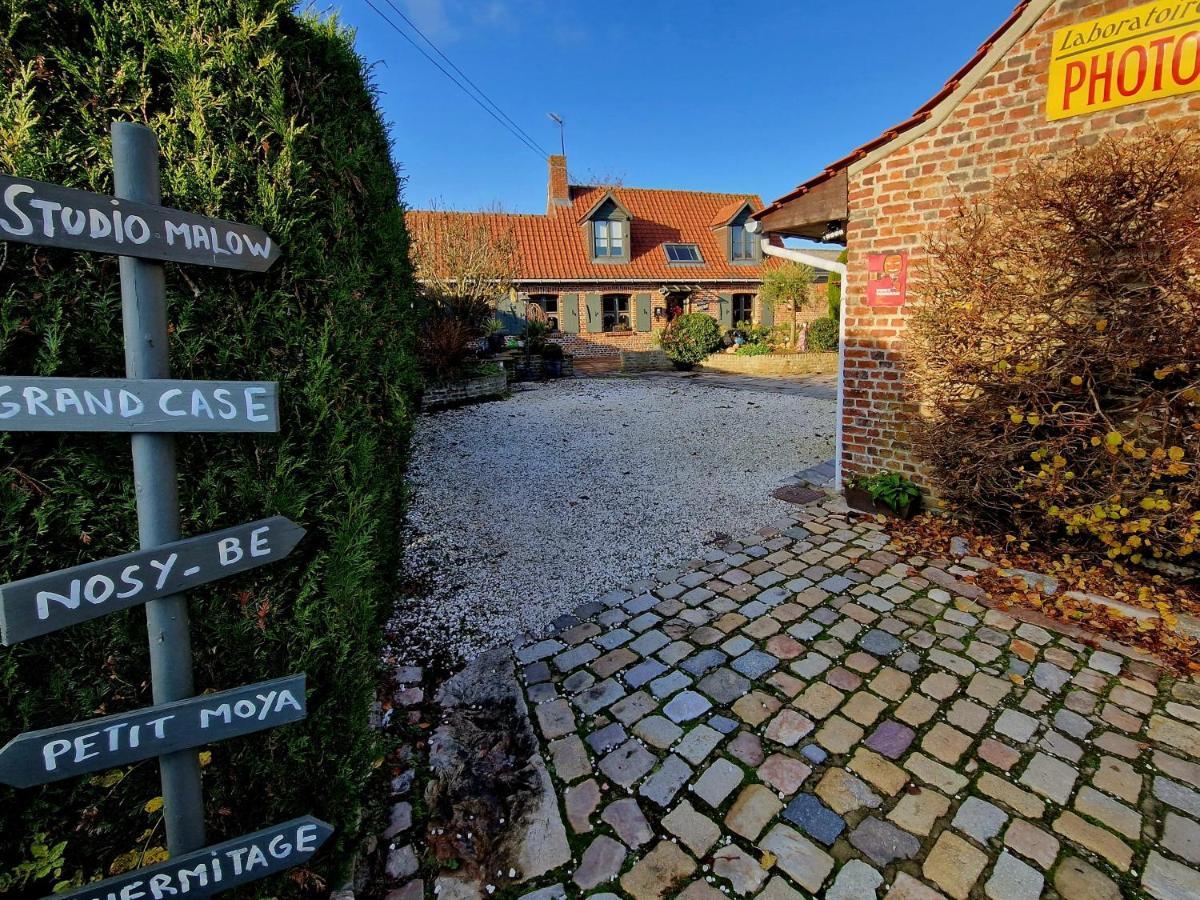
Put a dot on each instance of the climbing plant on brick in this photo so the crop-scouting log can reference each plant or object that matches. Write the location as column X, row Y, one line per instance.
column 263, row 117
column 1056, row 355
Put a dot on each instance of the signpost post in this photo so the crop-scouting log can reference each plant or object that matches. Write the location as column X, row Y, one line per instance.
column 151, row 407
column 144, row 317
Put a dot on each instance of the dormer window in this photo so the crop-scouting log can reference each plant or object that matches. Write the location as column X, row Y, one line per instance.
column 608, row 238
column 743, row 247
column 606, row 230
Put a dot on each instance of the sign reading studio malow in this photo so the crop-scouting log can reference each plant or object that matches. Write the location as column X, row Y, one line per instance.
column 49, row 215
column 1143, row 53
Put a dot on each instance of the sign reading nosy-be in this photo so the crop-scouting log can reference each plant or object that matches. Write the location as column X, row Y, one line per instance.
column 1138, row 54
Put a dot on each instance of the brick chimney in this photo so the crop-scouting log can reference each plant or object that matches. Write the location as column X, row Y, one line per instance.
column 558, row 193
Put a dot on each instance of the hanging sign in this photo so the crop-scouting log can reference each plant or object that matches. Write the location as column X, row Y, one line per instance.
column 33, row 212
column 216, row 868
column 52, row 754
column 46, row 603
column 1135, row 55
column 887, row 278
column 126, row 405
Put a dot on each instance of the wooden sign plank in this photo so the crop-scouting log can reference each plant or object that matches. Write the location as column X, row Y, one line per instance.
column 52, row 754
column 45, row 603
column 219, row 867
column 128, row 405
column 49, row 215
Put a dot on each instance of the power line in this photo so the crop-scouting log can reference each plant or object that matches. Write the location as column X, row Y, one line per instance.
column 514, row 130
column 467, row 78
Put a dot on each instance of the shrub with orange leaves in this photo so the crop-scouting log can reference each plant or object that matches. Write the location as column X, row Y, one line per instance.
column 1056, row 350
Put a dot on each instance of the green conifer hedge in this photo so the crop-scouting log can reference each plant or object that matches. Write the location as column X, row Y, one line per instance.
column 268, row 118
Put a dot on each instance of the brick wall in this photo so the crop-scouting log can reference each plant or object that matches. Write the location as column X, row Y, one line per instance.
column 596, row 345
column 897, row 202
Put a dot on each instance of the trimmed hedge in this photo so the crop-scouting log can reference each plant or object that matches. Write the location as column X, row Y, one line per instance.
column 823, row 334
column 267, row 118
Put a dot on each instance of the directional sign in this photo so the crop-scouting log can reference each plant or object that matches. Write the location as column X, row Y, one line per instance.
column 216, row 868
column 121, row 404
column 46, row 603
column 52, row 754
column 33, row 212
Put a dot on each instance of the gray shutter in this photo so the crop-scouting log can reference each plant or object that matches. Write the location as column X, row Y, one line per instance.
column 642, row 320
column 726, row 308
column 768, row 312
column 595, row 313
column 506, row 312
column 568, row 313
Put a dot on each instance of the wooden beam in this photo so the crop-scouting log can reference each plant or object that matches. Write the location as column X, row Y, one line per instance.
column 809, row 214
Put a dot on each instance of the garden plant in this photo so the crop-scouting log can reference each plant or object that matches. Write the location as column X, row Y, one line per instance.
column 1057, row 350
column 690, row 338
column 263, row 117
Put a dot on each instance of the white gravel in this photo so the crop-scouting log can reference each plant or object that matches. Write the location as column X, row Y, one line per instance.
column 524, row 508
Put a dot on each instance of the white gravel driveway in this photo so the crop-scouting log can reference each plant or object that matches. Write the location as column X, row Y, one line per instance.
column 524, row 508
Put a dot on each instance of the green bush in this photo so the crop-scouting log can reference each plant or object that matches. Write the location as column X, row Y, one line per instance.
column 690, row 338
column 263, row 117
column 823, row 334
column 754, row 350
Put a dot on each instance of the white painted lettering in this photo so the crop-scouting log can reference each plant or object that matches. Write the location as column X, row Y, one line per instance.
column 200, row 873
column 48, row 208
column 129, row 577
column 10, row 200
column 287, row 698
column 255, row 411
column 258, row 543
column 243, row 709
column 95, row 403
column 227, row 410
column 263, row 249
column 52, row 750
column 159, row 725
column 279, row 847
column 118, row 231
column 69, row 601
column 83, row 746
column 182, row 231
column 8, row 408
column 35, row 399
column 229, row 550
column 164, row 569
column 98, row 589
column 222, row 712
column 200, row 405
column 200, row 237
column 255, row 857
column 233, row 241
column 73, row 220
column 114, row 736
column 137, row 224
column 131, row 404
column 160, row 886
column 98, row 224
column 64, row 397
column 306, row 836
column 166, row 397
column 217, row 248
column 266, row 700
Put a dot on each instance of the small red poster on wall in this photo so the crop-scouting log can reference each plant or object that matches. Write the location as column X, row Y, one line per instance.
column 887, row 278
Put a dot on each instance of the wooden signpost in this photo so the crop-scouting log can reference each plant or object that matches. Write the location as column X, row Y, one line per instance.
column 216, row 868
column 45, row 603
column 120, row 404
column 52, row 754
column 32, row 212
column 152, row 407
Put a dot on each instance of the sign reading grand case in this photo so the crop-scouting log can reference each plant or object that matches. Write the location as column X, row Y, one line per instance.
column 1139, row 54
column 152, row 403
column 33, row 212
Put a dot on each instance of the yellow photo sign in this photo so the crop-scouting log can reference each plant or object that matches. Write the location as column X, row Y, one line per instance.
column 1139, row 54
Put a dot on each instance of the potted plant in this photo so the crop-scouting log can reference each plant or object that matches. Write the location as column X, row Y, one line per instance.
column 552, row 360
column 495, row 339
column 889, row 493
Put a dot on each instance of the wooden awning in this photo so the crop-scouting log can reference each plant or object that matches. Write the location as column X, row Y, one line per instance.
column 808, row 214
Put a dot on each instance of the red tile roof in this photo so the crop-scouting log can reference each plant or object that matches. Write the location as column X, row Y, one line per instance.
column 555, row 246
column 922, row 114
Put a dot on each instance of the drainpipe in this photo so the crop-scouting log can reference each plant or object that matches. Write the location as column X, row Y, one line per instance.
column 826, row 265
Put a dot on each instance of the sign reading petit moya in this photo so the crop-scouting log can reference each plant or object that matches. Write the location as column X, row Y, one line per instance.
column 1139, row 54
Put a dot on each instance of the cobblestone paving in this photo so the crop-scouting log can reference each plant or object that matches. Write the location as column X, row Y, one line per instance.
column 804, row 713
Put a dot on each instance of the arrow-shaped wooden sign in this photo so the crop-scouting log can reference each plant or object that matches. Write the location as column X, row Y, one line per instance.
column 52, row 754
column 126, row 405
column 46, row 603
column 216, row 868
column 33, row 212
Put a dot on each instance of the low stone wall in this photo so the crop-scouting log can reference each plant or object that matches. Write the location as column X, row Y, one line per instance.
column 465, row 391
column 775, row 364
column 644, row 361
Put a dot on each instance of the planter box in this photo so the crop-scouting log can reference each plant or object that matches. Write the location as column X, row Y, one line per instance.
column 468, row 391
column 861, row 501
column 537, row 369
column 772, row 364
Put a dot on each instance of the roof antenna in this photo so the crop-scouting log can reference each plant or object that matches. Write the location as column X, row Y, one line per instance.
column 562, row 140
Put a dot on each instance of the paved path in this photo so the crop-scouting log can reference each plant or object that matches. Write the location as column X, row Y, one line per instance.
column 804, row 713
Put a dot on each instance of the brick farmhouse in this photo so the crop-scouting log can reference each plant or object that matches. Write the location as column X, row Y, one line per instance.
column 611, row 266
column 1055, row 75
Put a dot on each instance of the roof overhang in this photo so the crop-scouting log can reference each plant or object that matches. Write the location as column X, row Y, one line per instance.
column 809, row 213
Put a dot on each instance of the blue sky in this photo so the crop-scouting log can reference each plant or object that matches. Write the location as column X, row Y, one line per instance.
column 719, row 96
